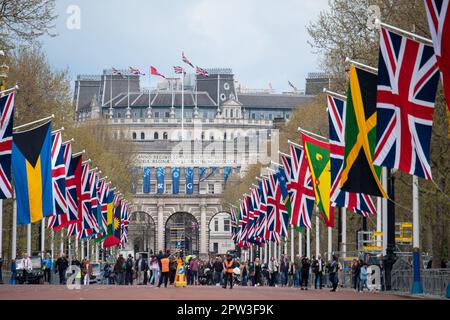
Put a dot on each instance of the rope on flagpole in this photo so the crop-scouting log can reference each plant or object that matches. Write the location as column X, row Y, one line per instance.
column 34, row 122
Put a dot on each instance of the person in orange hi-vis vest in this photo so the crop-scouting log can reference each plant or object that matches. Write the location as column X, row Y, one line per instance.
column 228, row 266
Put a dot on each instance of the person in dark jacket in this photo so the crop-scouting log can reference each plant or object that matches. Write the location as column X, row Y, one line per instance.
column 218, row 270
column 305, row 273
column 61, row 266
column 119, row 270
column 257, row 278
column 284, row 268
column 129, row 270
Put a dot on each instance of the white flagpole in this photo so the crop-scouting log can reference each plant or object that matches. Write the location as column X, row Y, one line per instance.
column 270, row 251
column 384, row 174
column 317, row 235
column 344, row 231
column 266, row 253
column 128, row 113
column 300, row 249
column 279, row 250
column 14, row 229
column 417, row 283
column 292, row 242
column 330, row 242
column 34, row 122
column 149, row 110
column 308, row 242
column 61, row 244
column 111, row 114
column 29, row 239
column 43, row 236
column 379, row 220
column 52, row 244
column 182, row 105
column 76, row 248
column 1, row 228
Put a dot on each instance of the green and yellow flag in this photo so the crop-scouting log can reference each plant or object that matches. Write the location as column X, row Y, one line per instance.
column 318, row 154
column 359, row 175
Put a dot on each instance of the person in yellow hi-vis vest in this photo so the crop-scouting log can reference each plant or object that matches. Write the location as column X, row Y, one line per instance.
column 180, row 277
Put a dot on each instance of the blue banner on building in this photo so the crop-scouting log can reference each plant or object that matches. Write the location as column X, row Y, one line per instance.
column 201, row 176
column 226, row 173
column 175, row 180
column 160, row 171
column 189, row 172
column 146, row 180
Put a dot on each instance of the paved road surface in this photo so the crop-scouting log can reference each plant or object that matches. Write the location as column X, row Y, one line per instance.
column 45, row 292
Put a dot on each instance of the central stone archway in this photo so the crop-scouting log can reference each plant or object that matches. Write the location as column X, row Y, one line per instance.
column 142, row 232
column 182, row 233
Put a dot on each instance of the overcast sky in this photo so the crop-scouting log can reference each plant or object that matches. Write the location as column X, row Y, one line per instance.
column 261, row 40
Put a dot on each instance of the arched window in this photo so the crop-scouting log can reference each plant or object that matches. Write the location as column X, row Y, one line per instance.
column 156, row 136
column 134, row 135
column 231, row 113
column 226, row 113
column 203, row 135
column 165, row 136
column 211, row 136
column 142, row 136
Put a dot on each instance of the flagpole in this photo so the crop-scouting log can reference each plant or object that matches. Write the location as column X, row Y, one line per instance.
column 308, row 242
column 76, row 248
column 300, row 249
column 266, row 249
column 52, row 244
column 344, row 232
column 384, row 182
column 61, row 244
column 335, row 94
column 14, row 229
column 311, row 133
column 29, row 239
column 42, row 236
column 270, row 250
column 292, row 243
column 182, row 105
column 379, row 24
column 317, row 233
column 330, row 242
column 361, row 65
column 15, row 88
column 128, row 113
column 379, row 221
column 34, row 122
column 1, row 228
column 149, row 110
column 417, row 283
column 111, row 113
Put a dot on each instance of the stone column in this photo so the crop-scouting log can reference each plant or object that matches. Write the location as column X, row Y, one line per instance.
column 160, row 226
column 203, row 226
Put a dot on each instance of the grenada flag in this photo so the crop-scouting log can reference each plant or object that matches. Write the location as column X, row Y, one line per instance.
column 318, row 154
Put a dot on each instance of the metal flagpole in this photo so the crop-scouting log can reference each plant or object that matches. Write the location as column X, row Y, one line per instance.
column 69, row 247
column 300, row 249
column 251, row 252
column 330, row 242
column 317, row 235
column 29, row 239
column 182, row 105
column 344, row 232
column 43, row 236
column 266, row 253
column 270, row 251
column 76, row 248
column 61, row 244
column 308, row 242
column 87, row 249
column 279, row 250
column 34, row 122
column 96, row 252
column 384, row 175
column 379, row 221
column 14, row 228
column 260, row 253
column 111, row 114
column 417, row 283
column 52, row 243
column 149, row 110
column 128, row 113
column 292, row 243
column 1, row 228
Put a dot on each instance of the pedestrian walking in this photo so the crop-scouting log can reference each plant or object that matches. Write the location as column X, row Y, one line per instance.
column 129, row 270
column 119, row 270
column 317, row 267
column 154, row 268
column 306, row 264
column 333, row 270
column 228, row 267
column 363, row 278
column 27, row 268
column 273, row 271
column 218, row 270
column 164, row 271
column 298, row 270
column 86, row 270
column 47, row 263
column 194, row 266
column 61, row 266
column 284, row 266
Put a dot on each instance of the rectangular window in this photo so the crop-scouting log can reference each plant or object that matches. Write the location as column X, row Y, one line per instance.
column 152, row 188
column 167, row 114
column 216, row 225
column 168, row 188
column 216, row 247
column 253, row 116
column 211, row 188
column 226, row 225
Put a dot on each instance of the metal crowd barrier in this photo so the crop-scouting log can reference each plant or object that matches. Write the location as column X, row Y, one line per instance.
column 434, row 281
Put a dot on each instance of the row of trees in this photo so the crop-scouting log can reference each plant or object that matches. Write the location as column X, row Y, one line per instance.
column 343, row 31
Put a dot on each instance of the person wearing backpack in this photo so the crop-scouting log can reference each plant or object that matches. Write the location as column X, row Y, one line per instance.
column 334, row 266
column 363, row 277
column 129, row 270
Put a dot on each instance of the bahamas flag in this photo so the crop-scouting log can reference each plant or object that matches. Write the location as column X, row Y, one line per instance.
column 318, row 154
column 32, row 173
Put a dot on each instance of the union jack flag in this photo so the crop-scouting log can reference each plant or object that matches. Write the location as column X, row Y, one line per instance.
column 273, row 222
column 6, row 126
column 201, row 72
column 407, row 83
column 357, row 202
column 254, row 217
column 73, row 192
column 185, row 60
column 283, row 202
column 301, row 189
column 124, row 223
column 438, row 14
column 178, row 70
column 117, row 72
column 243, row 219
column 261, row 224
column 58, row 176
column 136, row 71
column 233, row 223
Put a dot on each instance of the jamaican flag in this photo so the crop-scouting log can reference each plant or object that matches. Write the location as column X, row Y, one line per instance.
column 318, row 154
column 112, row 221
column 359, row 174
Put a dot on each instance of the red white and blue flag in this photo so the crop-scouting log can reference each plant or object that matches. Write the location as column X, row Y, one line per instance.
column 136, row 71
column 262, row 220
column 438, row 13
column 301, row 189
column 201, row 72
column 117, row 72
column 407, row 83
column 185, row 60
column 273, row 224
column 234, row 218
column 178, row 69
column 124, row 223
column 356, row 202
column 73, row 192
column 6, row 126
column 58, row 176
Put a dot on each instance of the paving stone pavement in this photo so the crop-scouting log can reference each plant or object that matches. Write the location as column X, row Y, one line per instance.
column 103, row 292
